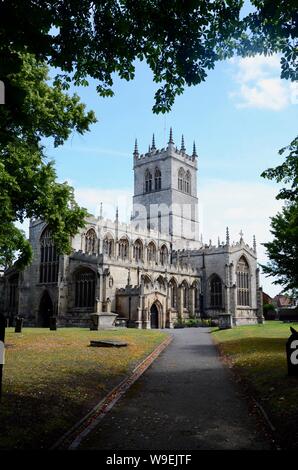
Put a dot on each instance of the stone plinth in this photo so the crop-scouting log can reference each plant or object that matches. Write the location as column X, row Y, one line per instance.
column 103, row 321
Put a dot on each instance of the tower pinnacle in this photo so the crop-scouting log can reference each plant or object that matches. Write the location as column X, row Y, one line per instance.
column 194, row 151
column 136, row 150
column 171, row 141
column 183, row 149
column 254, row 244
column 227, row 236
column 153, row 143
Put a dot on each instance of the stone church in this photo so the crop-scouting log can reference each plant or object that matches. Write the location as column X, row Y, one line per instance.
column 153, row 272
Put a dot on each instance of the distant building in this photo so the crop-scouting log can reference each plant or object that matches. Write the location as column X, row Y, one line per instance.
column 153, row 271
column 283, row 301
column 267, row 299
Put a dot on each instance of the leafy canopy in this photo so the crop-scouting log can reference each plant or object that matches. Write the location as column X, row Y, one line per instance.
column 180, row 40
column 28, row 186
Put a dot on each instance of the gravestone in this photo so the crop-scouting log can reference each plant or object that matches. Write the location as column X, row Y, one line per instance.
column 19, row 325
column 292, row 353
column 107, row 343
column 53, row 323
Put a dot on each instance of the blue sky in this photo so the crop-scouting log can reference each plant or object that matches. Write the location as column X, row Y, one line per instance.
column 239, row 119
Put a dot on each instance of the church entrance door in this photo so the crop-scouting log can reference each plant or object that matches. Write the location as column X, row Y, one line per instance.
column 45, row 310
column 154, row 316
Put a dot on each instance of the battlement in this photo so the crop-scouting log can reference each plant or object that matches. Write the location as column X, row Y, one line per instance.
column 224, row 247
column 178, row 265
column 170, row 151
column 79, row 255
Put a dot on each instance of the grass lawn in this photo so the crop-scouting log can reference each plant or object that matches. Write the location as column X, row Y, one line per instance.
column 52, row 378
column 258, row 355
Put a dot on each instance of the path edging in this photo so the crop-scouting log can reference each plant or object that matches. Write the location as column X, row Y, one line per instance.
column 72, row 438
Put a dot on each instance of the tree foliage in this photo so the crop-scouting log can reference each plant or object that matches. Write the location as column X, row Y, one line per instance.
column 180, row 40
column 28, row 186
column 287, row 172
column 283, row 249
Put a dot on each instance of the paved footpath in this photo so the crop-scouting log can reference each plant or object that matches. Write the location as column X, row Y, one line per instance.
column 185, row 401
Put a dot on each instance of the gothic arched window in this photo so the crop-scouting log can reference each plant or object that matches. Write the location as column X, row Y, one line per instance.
column 185, row 293
column 173, row 293
column 187, row 182
column 49, row 259
column 138, row 250
column 148, row 181
column 108, row 246
column 215, row 291
column 180, row 179
column 243, row 297
column 157, row 179
column 146, row 280
column 85, row 288
column 161, row 283
column 195, row 286
column 123, row 248
column 151, row 252
column 90, row 241
column 163, row 255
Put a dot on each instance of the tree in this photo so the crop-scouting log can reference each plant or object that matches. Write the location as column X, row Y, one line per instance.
column 180, row 40
column 35, row 110
column 283, row 249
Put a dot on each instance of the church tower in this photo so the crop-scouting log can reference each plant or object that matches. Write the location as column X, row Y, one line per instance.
column 165, row 192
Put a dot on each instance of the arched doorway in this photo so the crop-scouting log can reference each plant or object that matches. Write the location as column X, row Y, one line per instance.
column 45, row 310
column 154, row 323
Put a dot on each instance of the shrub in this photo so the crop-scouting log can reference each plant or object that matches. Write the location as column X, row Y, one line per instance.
column 179, row 324
column 205, row 322
column 192, row 322
column 269, row 312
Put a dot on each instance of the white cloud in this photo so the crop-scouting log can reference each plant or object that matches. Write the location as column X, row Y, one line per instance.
column 259, row 84
column 267, row 93
column 110, row 198
column 254, row 68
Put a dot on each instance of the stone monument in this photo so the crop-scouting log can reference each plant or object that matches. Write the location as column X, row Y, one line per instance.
column 103, row 320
